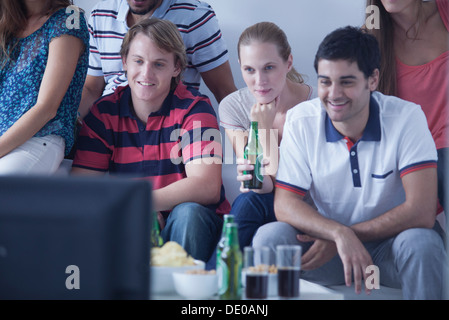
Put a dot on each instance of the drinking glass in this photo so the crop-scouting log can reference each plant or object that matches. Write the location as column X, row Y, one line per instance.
column 288, row 262
column 256, row 272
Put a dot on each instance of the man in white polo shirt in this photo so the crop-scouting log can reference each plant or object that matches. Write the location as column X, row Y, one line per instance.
column 369, row 162
column 206, row 50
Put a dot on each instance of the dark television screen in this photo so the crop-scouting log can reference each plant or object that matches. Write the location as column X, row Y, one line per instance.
column 74, row 238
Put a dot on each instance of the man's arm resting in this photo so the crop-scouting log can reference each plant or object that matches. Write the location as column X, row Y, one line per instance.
column 202, row 185
column 290, row 208
column 418, row 210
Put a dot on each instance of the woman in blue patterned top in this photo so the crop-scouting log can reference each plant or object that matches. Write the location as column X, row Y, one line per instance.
column 43, row 63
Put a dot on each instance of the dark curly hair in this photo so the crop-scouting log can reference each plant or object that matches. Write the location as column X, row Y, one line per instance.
column 352, row 44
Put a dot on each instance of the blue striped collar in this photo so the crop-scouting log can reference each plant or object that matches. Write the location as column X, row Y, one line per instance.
column 372, row 130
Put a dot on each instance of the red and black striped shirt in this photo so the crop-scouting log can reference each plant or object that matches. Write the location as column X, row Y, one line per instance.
column 114, row 140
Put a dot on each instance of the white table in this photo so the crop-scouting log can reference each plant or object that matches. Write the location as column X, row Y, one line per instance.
column 308, row 291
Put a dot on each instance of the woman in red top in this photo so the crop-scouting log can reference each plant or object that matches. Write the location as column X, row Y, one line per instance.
column 414, row 41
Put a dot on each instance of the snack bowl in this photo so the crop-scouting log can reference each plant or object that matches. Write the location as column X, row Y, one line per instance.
column 196, row 285
column 162, row 279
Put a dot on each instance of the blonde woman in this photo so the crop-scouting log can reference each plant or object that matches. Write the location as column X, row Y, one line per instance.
column 43, row 64
column 273, row 87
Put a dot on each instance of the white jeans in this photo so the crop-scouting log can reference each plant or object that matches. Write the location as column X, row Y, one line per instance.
column 39, row 155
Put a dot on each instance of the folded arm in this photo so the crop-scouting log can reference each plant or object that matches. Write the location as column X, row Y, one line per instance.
column 417, row 211
column 202, row 185
column 291, row 208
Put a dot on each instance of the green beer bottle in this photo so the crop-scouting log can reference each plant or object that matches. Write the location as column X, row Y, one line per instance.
column 227, row 218
column 156, row 239
column 253, row 152
column 230, row 265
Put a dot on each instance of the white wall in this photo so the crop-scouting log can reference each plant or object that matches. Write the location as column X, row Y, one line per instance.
column 86, row 4
column 305, row 22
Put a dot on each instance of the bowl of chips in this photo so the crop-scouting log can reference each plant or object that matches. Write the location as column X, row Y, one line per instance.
column 166, row 260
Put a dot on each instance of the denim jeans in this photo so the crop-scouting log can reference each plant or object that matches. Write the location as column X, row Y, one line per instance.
column 252, row 210
column 196, row 228
column 414, row 260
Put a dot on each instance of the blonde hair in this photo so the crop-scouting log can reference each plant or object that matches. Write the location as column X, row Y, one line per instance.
column 268, row 32
column 165, row 35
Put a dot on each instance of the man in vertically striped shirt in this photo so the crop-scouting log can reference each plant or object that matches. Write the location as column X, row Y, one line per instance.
column 157, row 128
column 206, row 50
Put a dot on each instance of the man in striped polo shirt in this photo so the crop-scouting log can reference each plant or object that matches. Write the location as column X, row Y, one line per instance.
column 156, row 128
column 369, row 162
column 206, row 50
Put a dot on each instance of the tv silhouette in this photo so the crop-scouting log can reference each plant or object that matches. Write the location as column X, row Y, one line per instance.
column 74, row 238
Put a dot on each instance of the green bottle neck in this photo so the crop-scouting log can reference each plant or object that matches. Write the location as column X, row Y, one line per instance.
column 254, row 129
column 228, row 218
column 254, row 125
column 155, row 221
column 253, row 136
column 232, row 239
